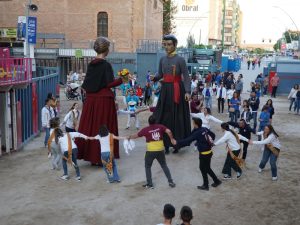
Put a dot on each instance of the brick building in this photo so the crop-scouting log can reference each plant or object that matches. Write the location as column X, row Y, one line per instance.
column 124, row 22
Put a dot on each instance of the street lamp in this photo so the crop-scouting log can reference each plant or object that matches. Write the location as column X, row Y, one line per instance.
column 285, row 27
column 285, row 12
column 29, row 7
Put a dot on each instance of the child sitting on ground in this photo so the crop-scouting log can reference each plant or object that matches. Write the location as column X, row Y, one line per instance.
column 186, row 215
column 169, row 214
column 106, row 140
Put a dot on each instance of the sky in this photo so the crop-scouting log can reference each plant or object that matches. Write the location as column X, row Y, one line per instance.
column 263, row 21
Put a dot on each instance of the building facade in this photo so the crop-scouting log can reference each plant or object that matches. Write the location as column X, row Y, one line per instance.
column 233, row 24
column 123, row 22
column 203, row 20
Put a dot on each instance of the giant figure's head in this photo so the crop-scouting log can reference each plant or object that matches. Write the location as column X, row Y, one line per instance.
column 170, row 43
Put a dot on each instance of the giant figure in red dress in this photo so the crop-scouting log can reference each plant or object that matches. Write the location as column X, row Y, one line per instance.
column 99, row 107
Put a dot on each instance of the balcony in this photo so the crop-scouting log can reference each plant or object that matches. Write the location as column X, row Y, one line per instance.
column 15, row 72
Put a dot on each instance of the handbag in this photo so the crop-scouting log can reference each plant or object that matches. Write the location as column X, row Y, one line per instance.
column 231, row 109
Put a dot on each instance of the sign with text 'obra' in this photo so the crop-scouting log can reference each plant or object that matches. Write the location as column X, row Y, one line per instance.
column 32, row 27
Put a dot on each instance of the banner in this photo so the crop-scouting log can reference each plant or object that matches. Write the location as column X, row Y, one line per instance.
column 21, row 32
column 32, row 26
column 8, row 32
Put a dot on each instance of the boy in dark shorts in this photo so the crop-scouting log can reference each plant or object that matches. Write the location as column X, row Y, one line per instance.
column 155, row 149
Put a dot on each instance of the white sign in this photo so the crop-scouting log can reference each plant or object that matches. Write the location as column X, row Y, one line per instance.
column 192, row 18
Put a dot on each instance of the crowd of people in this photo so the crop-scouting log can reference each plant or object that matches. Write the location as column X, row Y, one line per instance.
column 95, row 138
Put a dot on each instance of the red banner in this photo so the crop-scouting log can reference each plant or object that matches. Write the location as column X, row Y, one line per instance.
column 35, row 115
column 19, row 123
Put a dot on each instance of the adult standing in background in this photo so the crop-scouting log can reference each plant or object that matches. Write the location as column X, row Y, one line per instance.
column 172, row 109
column 221, row 96
column 274, row 83
column 99, row 107
column 239, row 85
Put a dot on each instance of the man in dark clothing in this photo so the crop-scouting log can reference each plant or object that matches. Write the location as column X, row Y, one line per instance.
column 204, row 141
column 244, row 130
column 254, row 104
column 229, row 81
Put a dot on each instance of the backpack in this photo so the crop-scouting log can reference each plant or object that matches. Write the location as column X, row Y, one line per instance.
column 209, row 138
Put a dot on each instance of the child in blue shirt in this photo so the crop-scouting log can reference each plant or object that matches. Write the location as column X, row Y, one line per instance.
column 264, row 118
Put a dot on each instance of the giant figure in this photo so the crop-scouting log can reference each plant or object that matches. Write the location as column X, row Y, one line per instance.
column 172, row 109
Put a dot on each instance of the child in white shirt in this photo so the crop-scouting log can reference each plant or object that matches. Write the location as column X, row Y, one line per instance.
column 53, row 147
column 69, row 151
column 106, row 140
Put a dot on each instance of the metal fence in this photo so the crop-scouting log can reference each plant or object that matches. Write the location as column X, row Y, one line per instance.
column 31, row 100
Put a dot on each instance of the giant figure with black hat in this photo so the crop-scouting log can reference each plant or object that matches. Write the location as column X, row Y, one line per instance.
column 172, row 108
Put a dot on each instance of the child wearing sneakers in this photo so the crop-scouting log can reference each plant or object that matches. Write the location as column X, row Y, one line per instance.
column 169, row 214
column 106, row 140
column 69, row 151
column 53, row 147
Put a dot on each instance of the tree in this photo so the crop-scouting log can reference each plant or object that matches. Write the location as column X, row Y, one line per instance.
column 190, row 41
column 277, row 45
column 169, row 9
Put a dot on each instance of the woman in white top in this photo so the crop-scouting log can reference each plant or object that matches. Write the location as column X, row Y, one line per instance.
column 230, row 95
column 292, row 97
column 232, row 140
column 206, row 117
column 106, row 140
column 72, row 118
column 271, row 150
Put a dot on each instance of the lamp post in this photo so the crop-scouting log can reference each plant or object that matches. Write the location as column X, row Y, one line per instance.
column 223, row 24
column 286, row 13
column 29, row 7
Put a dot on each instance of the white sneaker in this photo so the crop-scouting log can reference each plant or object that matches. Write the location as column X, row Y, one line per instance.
column 274, row 178
column 64, row 177
column 259, row 170
column 78, row 178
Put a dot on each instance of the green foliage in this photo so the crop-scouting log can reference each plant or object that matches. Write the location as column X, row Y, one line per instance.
column 277, row 45
column 202, row 46
column 259, row 51
column 190, row 41
column 169, row 9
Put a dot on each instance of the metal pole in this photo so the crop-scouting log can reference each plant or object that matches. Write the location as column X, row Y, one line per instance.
column 26, row 36
column 223, row 24
column 292, row 21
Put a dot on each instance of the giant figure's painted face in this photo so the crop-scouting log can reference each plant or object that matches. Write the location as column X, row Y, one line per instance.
column 169, row 46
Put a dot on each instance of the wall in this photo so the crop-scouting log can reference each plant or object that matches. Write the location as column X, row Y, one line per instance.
column 77, row 19
column 289, row 75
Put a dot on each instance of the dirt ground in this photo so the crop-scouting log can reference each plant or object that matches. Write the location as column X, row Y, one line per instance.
column 32, row 194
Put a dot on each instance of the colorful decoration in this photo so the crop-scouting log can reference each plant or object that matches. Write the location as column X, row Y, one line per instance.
column 124, row 74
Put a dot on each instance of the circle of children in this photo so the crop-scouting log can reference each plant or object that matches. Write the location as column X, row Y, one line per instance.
column 243, row 117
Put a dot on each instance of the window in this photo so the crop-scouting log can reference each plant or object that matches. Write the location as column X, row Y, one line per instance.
column 229, row 13
column 228, row 21
column 228, row 39
column 228, row 30
column 102, row 24
column 155, row 4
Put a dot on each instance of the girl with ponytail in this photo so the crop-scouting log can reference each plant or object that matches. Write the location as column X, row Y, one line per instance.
column 232, row 139
column 53, row 147
column 271, row 149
